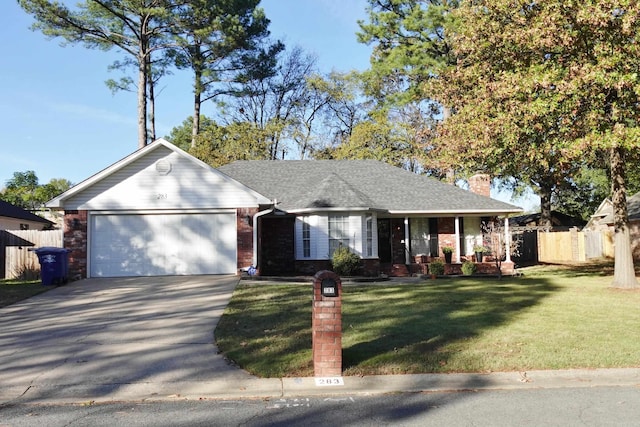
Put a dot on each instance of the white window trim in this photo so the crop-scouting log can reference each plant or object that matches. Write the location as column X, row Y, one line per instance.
column 319, row 235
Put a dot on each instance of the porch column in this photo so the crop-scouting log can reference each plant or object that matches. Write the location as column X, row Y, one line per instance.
column 407, row 257
column 507, row 240
column 457, row 228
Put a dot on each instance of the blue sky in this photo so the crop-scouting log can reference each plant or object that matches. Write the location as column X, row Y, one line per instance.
column 58, row 118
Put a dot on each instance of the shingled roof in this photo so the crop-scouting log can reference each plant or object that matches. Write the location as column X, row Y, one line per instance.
column 312, row 185
column 11, row 211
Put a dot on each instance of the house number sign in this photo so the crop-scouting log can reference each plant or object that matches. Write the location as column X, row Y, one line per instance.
column 329, row 288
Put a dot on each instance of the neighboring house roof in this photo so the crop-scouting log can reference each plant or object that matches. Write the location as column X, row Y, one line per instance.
column 11, row 211
column 633, row 207
column 312, row 185
column 598, row 218
column 604, row 214
column 558, row 219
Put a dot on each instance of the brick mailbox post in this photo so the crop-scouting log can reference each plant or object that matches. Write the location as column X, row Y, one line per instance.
column 326, row 324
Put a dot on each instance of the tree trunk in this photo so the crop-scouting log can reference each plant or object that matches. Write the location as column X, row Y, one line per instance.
column 152, row 101
column 198, row 88
column 624, row 272
column 545, row 206
column 197, row 102
column 142, row 101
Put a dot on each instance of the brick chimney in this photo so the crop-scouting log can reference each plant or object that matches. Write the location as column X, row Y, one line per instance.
column 480, row 183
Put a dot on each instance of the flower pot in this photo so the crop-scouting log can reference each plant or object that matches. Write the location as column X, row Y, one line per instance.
column 479, row 256
column 447, row 258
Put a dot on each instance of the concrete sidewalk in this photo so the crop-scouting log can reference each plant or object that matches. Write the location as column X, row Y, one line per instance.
column 147, row 339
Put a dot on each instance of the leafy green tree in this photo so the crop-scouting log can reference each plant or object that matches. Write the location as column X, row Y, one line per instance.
column 555, row 77
column 581, row 194
column 24, row 191
column 410, row 46
column 138, row 28
column 181, row 136
column 219, row 41
column 218, row 145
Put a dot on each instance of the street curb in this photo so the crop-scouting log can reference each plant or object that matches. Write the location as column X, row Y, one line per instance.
column 270, row 388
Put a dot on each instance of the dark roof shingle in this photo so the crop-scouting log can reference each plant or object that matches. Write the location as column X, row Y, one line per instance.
column 307, row 184
column 12, row 211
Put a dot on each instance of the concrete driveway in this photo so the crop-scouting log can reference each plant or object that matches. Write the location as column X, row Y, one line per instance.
column 116, row 339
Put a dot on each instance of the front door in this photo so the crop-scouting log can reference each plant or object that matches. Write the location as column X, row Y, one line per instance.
column 384, row 240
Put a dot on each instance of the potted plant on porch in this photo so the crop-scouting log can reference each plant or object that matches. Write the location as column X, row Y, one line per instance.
column 436, row 268
column 447, row 251
column 479, row 250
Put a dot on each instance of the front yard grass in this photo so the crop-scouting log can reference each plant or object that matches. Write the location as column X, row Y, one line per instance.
column 12, row 291
column 550, row 318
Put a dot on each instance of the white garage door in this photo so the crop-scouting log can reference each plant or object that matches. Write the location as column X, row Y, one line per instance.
column 162, row 244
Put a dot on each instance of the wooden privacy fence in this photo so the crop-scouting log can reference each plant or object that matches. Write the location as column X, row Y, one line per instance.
column 16, row 260
column 574, row 245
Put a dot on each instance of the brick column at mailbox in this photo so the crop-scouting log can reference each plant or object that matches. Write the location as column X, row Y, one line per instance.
column 326, row 324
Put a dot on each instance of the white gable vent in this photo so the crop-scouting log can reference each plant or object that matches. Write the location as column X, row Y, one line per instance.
column 163, row 167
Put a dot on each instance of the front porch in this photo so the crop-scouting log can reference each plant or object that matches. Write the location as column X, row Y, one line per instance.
column 420, row 266
column 393, row 245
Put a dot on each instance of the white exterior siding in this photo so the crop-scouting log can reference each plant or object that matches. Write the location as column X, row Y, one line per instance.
column 140, row 185
column 355, row 233
column 322, row 240
column 313, row 221
column 7, row 223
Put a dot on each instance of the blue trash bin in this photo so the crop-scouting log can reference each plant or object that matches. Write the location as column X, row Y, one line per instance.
column 54, row 265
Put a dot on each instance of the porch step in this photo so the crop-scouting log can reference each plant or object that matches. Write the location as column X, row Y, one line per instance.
column 399, row 270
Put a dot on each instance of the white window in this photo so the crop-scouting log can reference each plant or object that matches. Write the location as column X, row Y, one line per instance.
column 419, row 236
column 338, row 232
column 368, row 250
column 306, row 237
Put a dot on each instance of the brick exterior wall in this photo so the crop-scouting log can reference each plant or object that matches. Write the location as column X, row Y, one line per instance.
column 244, row 219
column 326, row 327
column 447, row 235
column 75, row 239
column 370, row 267
column 277, row 247
column 76, row 231
column 480, row 184
column 309, row 267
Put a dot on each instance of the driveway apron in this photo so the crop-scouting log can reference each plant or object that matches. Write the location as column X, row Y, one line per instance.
column 101, row 337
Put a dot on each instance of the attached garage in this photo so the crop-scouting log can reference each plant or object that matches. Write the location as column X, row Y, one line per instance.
column 159, row 212
column 162, row 244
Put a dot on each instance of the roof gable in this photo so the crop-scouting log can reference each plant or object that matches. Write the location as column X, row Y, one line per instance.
column 158, row 176
column 295, row 184
column 332, row 192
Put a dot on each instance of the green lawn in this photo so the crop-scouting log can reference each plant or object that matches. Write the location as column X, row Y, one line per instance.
column 550, row 318
column 12, row 291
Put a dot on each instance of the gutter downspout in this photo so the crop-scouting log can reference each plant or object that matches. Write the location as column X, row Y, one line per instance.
column 255, row 231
